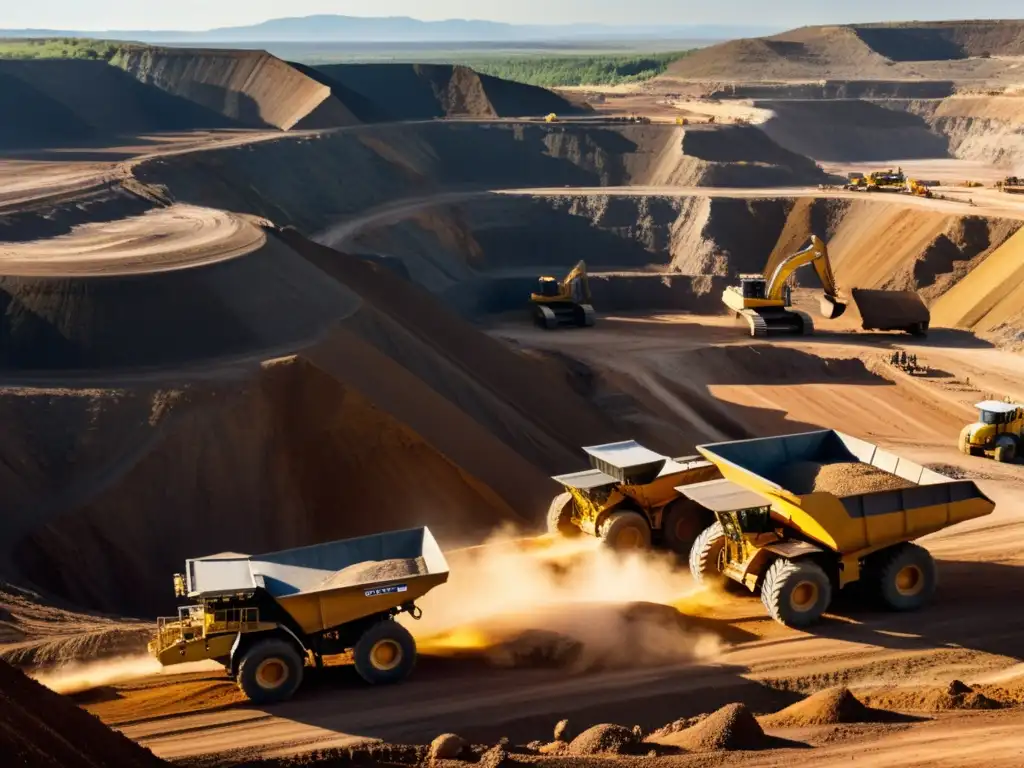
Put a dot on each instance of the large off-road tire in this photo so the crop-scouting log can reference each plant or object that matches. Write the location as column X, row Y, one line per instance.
column 625, row 531
column 1006, row 450
column 706, row 555
column 796, row 592
column 559, row 520
column 270, row 671
column 386, row 653
column 681, row 524
column 904, row 577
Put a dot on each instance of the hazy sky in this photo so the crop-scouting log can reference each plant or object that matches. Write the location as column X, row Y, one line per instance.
column 203, row 14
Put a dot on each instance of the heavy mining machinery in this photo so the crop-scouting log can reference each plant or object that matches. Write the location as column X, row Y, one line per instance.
column 628, row 498
column 997, row 432
column 797, row 546
column 559, row 303
column 916, row 187
column 765, row 302
column 878, row 181
column 1013, row 185
column 267, row 617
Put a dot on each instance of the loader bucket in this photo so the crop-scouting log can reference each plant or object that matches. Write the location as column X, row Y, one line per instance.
column 831, row 308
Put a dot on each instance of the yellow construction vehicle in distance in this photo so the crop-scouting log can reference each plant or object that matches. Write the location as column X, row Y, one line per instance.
column 878, row 181
column 563, row 302
column 997, row 432
column 915, row 187
column 764, row 300
column 552, row 118
column 1012, row 185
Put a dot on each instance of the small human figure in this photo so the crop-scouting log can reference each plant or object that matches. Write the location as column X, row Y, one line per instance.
column 903, row 359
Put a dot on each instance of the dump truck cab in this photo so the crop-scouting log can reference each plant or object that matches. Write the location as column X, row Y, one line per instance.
column 265, row 617
column 798, row 545
column 628, row 498
column 996, row 433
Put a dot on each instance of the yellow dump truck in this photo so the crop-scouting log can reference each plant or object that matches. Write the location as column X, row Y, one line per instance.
column 784, row 536
column 997, row 432
column 629, row 499
column 266, row 617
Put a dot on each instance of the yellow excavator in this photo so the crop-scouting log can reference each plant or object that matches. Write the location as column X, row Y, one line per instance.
column 559, row 303
column 765, row 302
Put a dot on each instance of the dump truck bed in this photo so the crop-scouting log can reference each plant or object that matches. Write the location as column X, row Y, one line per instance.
column 331, row 584
column 890, row 310
column 913, row 502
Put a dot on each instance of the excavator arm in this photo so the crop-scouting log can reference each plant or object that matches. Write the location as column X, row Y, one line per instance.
column 815, row 254
column 576, row 285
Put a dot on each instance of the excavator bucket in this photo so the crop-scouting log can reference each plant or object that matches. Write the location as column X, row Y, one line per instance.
column 831, row 308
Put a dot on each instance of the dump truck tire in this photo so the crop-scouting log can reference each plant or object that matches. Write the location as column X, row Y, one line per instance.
column 681, row 524
column 796, row 592
column 270, row 671
column 559, row 518
column 905, row 577
column 386, row 653
column 706, row 553
column 626, row 530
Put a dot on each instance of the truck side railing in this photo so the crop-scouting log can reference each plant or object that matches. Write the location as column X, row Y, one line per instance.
column 195, row 622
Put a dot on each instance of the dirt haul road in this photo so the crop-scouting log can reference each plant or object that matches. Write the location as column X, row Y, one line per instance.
column 704, row 374
column 163, row 239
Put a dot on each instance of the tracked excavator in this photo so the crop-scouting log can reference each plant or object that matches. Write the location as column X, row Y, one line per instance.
column 764, row 301
column 563, row 303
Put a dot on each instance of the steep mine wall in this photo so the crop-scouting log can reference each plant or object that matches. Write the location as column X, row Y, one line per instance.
column 48, row 102
column 978, row 127
column 252, row 88
column 851, row 130
column 400, row 414
column 425, row 91
column 837, row 89
column 253, row 307
column 316, row 181
column 484, row 255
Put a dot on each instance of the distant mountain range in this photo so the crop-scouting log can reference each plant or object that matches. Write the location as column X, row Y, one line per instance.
column 402, row 29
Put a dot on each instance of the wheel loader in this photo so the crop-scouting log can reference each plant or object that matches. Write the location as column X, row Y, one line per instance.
column 796, row 547
column 566, row 302
column 997, row 433
column 628, row 498
column 267, row 617
column 1012, row 185
column 764, row 301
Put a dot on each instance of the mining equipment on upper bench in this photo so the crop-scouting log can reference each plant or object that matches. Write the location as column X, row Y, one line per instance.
column 558, row 303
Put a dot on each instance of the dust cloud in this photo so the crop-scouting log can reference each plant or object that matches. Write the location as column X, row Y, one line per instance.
column 565, row 602
column 76, row 677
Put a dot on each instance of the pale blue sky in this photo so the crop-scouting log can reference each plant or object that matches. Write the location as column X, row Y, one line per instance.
column 204, row 14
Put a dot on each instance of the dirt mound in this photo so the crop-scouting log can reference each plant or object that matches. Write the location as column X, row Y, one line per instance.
column 890, row 309
column 843, row 478
column 78, row 323
column 41, row 728
column 370, row 572
column 603, row 739
column 425, row 91
column 808, row 52
column 989, row 298
column 58, row 101
column 252, row 88
column 829, row 707
column 731, row 727
column 954, row 696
